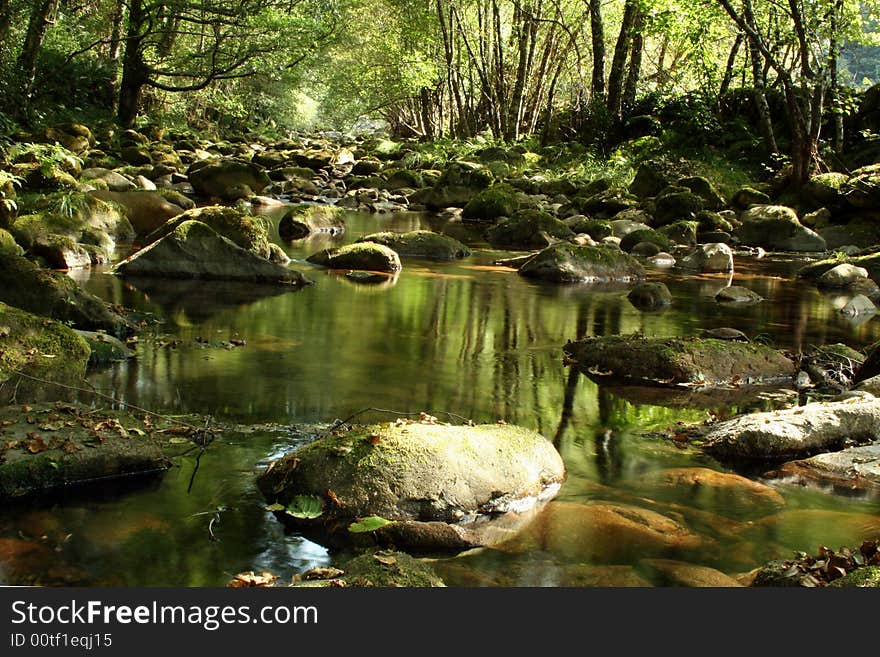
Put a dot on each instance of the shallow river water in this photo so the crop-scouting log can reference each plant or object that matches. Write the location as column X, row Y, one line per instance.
column 469, row 339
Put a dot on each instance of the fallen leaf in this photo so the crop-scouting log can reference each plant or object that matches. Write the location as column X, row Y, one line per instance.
column 36, row 445
column 322, row 573
column 368, row 524
column 274, row 507
column 251, row 579
column 69, row 446
column 385, row 559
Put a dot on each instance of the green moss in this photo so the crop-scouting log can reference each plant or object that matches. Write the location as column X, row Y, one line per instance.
column 527, row 229
column 864, row 577
column 596, row 229
column 645, row 235
column 367, row 256
column 421, row 244
column 8, row 243
column 814, row 270
column 242, row 229
column 497, row 201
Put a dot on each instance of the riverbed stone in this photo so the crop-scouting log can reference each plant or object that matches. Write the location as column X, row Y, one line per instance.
column 367, row 256
column 604, row 532
column 57, row 296
column 60, row 252
column 712, row 257
column 776, row 228
column 235, row 225
column 420, row 244
column 669, row 572
column 745, row 197
column 528, row 229
column 841, row 276
column 304, row 219
column 114, row 180
column 738, row 294
column 851, row 469
column 491, row 204
column 413, row 474
column 195, row 250
column 570, row 263
column 678, row 360
column 859, row 306
column 628, row 241
column 650, row 296
column 795, row 432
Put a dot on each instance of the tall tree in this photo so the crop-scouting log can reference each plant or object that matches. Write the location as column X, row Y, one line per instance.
column 42, row 16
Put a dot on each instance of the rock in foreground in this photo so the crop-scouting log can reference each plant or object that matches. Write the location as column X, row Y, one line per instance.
column 421, row 485
column 855, row 468
column 671, row 361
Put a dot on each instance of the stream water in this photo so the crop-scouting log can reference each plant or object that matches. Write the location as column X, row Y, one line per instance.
column 466, row 338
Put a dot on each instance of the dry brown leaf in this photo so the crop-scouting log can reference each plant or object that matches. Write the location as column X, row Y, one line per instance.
column 251, row 579
column 385, row 559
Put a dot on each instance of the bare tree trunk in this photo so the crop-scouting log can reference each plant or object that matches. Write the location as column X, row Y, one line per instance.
column 731, row 62
column 597, row 35
column 635, row 63
column 5, row 21
column 135, row 73
column 765, row 121
column 116, row 33
column 837, row 108
column 41, row 18
column 618, row 62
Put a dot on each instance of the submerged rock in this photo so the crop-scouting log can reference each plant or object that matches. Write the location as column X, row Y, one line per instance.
column 420, row 484
column 815, row 427
column 668, row 572
column 570, row 263
column 678, row 360
column 420, row 244
column 855, row 468
column 304, row 219
column 387, row 568
column 738, row 294
column 367, row 256
column 67, row 445
column 650, row 296
column 195, row 250
column 105, row 348
column 528, row 229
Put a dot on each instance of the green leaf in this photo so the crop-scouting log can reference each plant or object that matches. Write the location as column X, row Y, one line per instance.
column 305, row 507
column 274, row 507
column 368, row 524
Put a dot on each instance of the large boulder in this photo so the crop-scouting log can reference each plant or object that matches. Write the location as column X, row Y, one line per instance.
column 650, row 296
column 304, row 219
column 81, row 217
column 54, row 295
column 420, row 244
column 826, row 188
column 678, row 360
column 862, row 190
column 815, row 270
column 712, row 257
column 145, row 210
column 366, row 256
column 776, row 228
column 528, row 229
column 227, row 179
column 114, row 180
column 412, row 481
column 234, row 224
column 458, row 184
column 675, row 205
column 39, row 348
column 195, row 250
column 570, row 263
column 490, row 204
column 815, row 427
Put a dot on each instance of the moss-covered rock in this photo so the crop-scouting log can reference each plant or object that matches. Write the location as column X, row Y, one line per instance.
column 67, row 445
column 825, row 188
column 234, row 224
column 54, row 295
column 776, row 227
column 304, row 219
column 8, row 245
column 596, row 229
column 814, row 270
column 421, row 244
column 528, row 229
column 676, row 204
column 711, row 257
column 650, row 296
column 366, row 167
column 490, row 204
column 227, row 179
column 699, row 185
column 628, row 241
column 389, row 569
column 60, row 252
column 651, row 177
column 411, row 473
column 681, row 232
column 678, row 360
column 862, row 189
column 745, row 197
column 38, row 347
column 570, row 263
column 606, row 204
column 867, row 577
column 466, row 174
column 195, row 250
column 404, row 179
column 367, row 256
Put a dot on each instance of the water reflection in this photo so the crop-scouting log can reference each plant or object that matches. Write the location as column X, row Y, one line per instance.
column 469, row 338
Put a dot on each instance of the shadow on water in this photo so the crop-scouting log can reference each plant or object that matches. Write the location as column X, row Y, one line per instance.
column 469, row 338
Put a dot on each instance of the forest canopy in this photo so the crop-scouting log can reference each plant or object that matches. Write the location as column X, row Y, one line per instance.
column 584, row 70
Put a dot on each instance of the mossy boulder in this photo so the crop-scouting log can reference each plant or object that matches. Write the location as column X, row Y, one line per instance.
column 606, row 204
column 411, row 475
column 776, row 227
column 60, row 252
column 596, row 229
column 304, row 219
column 105, row 348
column 862, row 189
column 675, row 205
column 650, row 296
column 421, row 244
column 528, row 229
column 457, row 185
column 227, row 179
column 681, row 232
column 466, row 174
column 746, row 197
column 8, row 245
column 314, row 159
column 366, row 167
column 236, row 225
column 825, row 188
column 366, row 256
column 570, row 263
column 628, row 241
column 145, row 210
column 672, row 361
column 54, row 295
column 404, row 179
column 54, row 447
column 712, row 199
column 74, row 215
column 490, row 204
column 650, row 179
column 795, row 432
column 38, row 347
column 815, row 270
column 387, row 568
column 867, row 577
column 113, row 180
column 194, row 249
